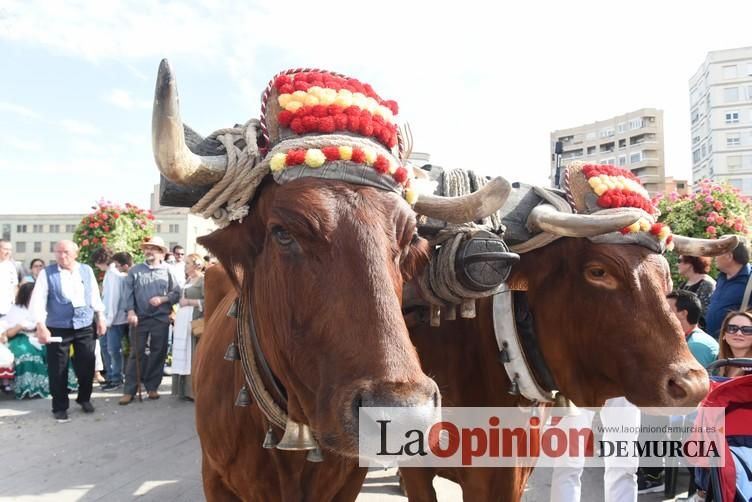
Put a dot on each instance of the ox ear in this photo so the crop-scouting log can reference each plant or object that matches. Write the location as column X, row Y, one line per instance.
column 418, row 255
column 235, row 248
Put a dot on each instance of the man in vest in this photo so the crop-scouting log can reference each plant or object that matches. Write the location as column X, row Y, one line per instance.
column 65, row 303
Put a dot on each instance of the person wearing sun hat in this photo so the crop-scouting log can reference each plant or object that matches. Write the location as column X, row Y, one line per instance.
column 151, row 289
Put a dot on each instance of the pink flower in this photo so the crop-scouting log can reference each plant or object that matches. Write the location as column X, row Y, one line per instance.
column 711, row 230
column 718, row 205
column 674, row 196
column 698, row 206
column 720, row 219
column 709, row 199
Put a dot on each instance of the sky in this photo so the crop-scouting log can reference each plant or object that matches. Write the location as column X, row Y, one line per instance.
column 482, row 84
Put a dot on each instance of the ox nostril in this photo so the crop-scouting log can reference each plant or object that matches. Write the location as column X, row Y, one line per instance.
column 676, row 390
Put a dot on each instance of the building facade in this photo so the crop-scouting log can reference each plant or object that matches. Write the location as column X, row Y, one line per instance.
column 35, row 235
column 633, row 141
column 720, row 96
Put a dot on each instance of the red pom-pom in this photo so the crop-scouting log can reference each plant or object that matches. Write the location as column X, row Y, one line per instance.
column 392, row 140
column 625, row 230
column 281, row 80
column 317, row 83
column 352, row 111
column 320, row 111
column 392, row 105
column 669, row 239
column 286, row 89
column 381, row 164
column 353, row 123
column 358, row 155
column 655, row 228
column 301, row 85
column 340, row 121
column 379, row 119
column 377, row 128
column 335, row 109
column 284, row 118
column 297, row 125
column 366, row 126
column 400, row 175
column 295, row 157
column 302, row 76
column 331, row 153
column 370, row 92
column 326, row 124
column 311, row 123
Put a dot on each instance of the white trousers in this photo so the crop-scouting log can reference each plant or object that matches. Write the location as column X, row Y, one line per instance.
column 620, row 483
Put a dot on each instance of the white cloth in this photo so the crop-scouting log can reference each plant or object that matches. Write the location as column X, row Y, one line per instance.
column 181, row 342
column 21, row 316
column 8, row 285
column 72, row 286
column 178, row 268
column 619, row 483
column 112, row 286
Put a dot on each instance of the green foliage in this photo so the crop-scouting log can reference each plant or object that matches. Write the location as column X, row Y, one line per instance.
column 119, row 228
column 714, row 210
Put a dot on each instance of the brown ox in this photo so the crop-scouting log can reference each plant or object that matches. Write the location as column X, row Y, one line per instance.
column 604, row 328
column 320, row 265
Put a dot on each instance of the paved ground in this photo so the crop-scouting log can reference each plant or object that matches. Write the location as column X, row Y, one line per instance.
column 150, row 451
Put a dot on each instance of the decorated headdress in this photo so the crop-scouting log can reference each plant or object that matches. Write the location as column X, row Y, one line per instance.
column 323, row 124
column 602, row 189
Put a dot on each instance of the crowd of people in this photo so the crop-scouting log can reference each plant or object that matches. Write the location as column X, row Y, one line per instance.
column 61, row 332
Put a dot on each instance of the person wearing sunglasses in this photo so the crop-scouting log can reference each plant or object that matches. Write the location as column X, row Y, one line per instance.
column 736, row 341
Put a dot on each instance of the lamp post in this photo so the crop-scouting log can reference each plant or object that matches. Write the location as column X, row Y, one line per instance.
column 558, row 150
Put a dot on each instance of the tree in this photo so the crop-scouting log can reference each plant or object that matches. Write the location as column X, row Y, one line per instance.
column 716, row 209
column 119, row 228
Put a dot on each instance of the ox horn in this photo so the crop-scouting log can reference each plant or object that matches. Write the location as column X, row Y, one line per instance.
column 547, row 218
column 691, row 246
column 475, row 206
column 174, row 160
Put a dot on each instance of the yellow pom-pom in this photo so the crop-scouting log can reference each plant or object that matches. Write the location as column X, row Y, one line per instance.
column 371, row 104
column 311, row 100
column 370, row 155
column 599, row 188
column 316, row 91
column 299, row 96
column 293, row 106
column 283, row 99
column 664, row 233
column 314, row 157
column 411, row 196
column 278, row 162
column 359, row 100
column 345, row 152
column 634, row 227
column 392, row 165
column 644, row 225
column 343, row 101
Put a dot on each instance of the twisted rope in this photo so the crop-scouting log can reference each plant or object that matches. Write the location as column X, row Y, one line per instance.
column 439, row 284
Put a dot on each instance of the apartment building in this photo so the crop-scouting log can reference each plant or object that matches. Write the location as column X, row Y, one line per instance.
column 35, row 235
column 720, row 95
column 633, row 141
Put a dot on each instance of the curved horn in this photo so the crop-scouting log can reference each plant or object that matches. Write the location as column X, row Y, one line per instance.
column 475, row 206
column 546, row 218
column 691, row 246
column 174, row 160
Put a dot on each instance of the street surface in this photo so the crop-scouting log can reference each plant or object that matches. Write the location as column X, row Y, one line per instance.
column 150, row 451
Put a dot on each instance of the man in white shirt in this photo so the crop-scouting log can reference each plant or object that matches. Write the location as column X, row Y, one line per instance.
column 8, row 277
column 64, row 304
column 178, row 268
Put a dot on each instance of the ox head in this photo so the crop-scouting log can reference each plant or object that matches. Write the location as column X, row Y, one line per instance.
column 605, row 326
column 322, row 263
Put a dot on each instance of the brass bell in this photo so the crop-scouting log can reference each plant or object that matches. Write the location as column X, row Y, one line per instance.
column 233, row 311
column 560, row 401
column 297, row 437
column 244, row 398
column 514, row 389
column 232, row 353
column 435, row 316
column 450, row 313
column 315, row 455
column 467, row 309
column 269, row 440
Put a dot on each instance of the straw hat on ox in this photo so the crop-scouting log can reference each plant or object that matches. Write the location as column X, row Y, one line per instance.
column 603, row 189
column 155, row 241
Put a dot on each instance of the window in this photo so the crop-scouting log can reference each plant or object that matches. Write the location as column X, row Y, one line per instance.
column 729, row 71
column 159, row 228
column 37, row 247
column 6, row 231
column 733, row 139
column 749, row 93
column 610, row 161
column 590, row 150
column 37, row 229
column 732, row 117
column 680, row 185
column 733, row 162
column 696, row 156
column 730, row 94
column 702, row 151
column 635, row 124
column 174, row 228
column 54, row 229
column 635, row 157
column 52, row 246
column 607, row 133
column 20, row 229
column 621, row 127
column 622, row 160
column 695, row 140
column 70, row 228
column 20, row 247
column 695, row 116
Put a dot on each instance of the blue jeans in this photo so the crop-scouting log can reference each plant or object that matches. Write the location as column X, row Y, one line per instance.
column 115, row 334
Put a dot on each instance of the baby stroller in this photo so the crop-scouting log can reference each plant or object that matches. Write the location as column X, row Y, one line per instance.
column 733, row 481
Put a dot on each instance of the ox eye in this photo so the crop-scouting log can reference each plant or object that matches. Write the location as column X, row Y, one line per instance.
column 597, row 272
column 282, row 236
